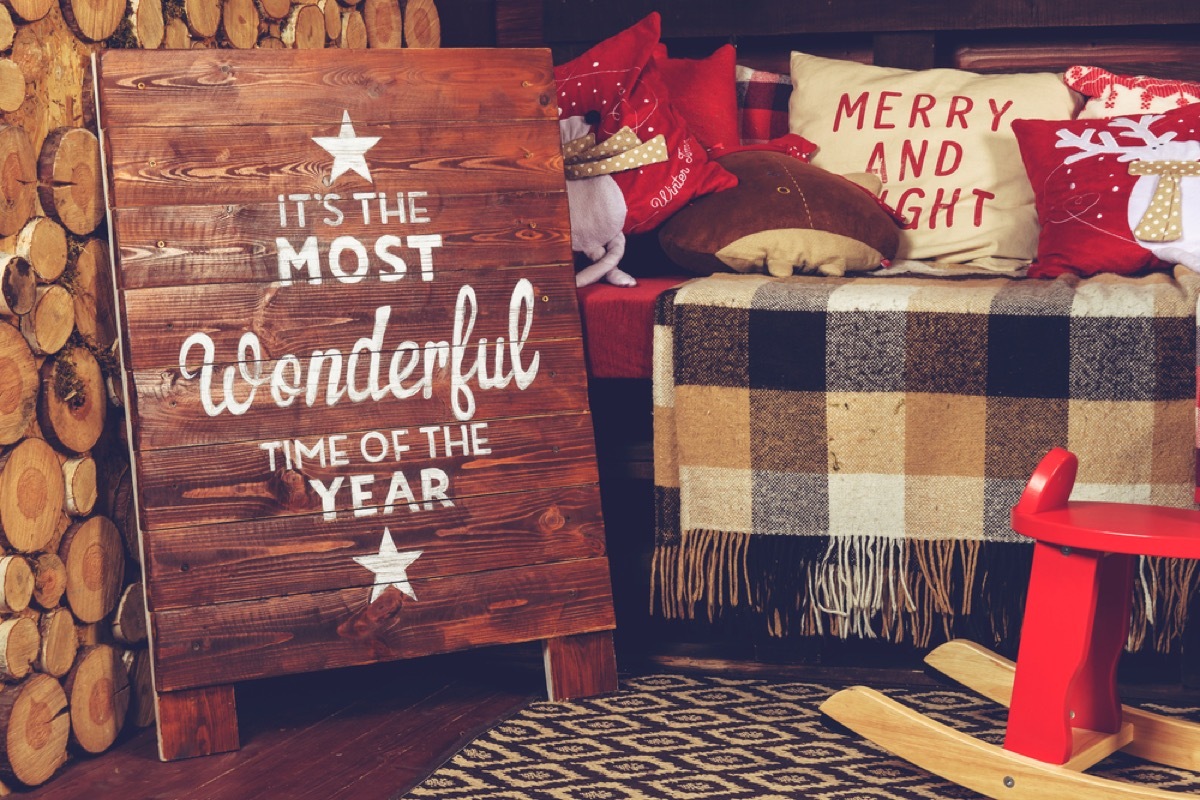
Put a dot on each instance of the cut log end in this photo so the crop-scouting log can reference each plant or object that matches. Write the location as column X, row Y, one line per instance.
column 93, row 20
column 30, row 10
column 34, row 715
column 422, row 26
column 59, row 643
column 18, row 285
column 8, row 30
column 147, row 23
column 12, row 85
column 203, row 17
column 79, row 477
column 274, row 9
column 384, row 22
column 239, row 24
column 49, row 323
column 73, row 404
column 141, row 687
column 304, row 28
column 121, row 510
column 98, row 690
column 19, row 646
column 354, row 31
column 95, row 561
column 333, row 18
column 176, row 35
column 49, row 581
column 69, row 179
column 129, row 623
column 31, row 495
column 43, row 243
column 18, row 179
column 16, row 585
column 18, row 384
column 91, row 286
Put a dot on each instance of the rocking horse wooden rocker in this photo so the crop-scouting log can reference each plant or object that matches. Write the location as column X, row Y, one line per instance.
column 1064, row 712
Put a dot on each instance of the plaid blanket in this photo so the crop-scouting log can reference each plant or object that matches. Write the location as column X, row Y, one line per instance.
column 840, row 455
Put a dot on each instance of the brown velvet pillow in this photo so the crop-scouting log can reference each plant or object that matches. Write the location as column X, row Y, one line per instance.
column 784, row 216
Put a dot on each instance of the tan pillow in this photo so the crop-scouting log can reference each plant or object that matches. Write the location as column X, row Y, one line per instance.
column 942, row 143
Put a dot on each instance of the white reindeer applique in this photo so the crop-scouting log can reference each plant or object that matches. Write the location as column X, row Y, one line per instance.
column 1164, row 204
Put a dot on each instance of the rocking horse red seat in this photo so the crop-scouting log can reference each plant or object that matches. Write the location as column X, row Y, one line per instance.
column 1064, row 710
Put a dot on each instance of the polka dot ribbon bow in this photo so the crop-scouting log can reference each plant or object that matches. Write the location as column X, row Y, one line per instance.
column 1163, row 220
column 583, row 158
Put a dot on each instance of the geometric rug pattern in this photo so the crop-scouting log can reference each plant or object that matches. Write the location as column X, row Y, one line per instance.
column 675, row 737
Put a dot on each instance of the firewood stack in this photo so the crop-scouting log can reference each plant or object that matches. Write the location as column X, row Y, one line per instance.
column 74, row 666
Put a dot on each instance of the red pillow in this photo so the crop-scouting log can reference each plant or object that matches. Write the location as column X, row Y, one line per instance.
column 618, row 79
column 703, row 92
column 1094, row 181
column 594, row 80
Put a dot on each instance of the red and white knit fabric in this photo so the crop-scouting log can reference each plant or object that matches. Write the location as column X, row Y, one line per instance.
column 1113, row 95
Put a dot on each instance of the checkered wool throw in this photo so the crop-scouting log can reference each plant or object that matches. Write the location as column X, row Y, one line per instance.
column 840, row 455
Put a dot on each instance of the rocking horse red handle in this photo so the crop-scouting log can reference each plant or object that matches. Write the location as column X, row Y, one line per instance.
column 1050, row 485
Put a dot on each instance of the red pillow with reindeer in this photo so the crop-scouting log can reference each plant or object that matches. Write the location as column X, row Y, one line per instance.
column 1115, row 195
column 618, row 85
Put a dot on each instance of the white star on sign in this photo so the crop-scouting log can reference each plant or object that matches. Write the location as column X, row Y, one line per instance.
column 390, row 567
column 347, row 150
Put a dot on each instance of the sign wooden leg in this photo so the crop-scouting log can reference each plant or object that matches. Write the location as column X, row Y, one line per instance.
column 580, row 666
column 197, row 722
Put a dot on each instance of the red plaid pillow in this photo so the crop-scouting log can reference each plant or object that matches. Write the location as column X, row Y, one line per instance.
column 762, row 99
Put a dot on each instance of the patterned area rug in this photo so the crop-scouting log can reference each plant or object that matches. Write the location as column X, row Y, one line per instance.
column 704, row 738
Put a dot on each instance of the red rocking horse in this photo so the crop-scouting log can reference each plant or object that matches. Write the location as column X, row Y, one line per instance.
column 1064, row 712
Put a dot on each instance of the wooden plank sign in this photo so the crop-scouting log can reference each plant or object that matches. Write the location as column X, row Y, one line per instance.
column 353, row 367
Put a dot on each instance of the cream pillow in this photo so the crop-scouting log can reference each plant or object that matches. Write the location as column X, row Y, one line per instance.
column 942, row 143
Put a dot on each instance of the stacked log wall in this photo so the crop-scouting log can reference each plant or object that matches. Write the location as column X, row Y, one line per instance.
column 74, row 666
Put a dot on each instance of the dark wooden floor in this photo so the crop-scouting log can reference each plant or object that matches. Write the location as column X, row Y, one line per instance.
column 362, row 733
column 377, row 731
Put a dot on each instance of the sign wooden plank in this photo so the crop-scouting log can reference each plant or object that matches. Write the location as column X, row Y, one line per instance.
column 203, row 564
column 171, row 413
column 231, row 243
column 376, row 316
column 258, row 162
column 280, row 635
column 353, row 364
column 426, row 468
column 221, row 87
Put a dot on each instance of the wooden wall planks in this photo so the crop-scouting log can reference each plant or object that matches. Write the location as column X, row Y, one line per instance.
column 356, row 435
column 571, row 21
column 232, row 243
column 325, row 630
column 203, row 564
column 248, row 163
column 171, row 416
column 159, row 89
column 247, row 480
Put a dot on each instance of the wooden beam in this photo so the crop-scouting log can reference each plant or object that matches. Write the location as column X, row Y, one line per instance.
column 572, row 21
column 519, row 23
column 914, row 50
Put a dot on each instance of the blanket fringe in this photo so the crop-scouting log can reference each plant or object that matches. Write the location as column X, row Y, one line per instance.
column 900, row 590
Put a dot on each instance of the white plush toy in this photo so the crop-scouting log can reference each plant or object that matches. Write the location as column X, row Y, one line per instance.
column 596, row 203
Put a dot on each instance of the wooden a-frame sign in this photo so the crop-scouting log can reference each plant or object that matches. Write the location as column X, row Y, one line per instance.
column 353, row 370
